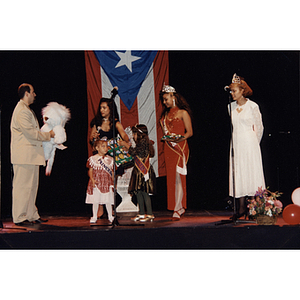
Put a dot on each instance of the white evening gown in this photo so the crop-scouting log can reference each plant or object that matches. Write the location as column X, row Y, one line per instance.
column 246, row 137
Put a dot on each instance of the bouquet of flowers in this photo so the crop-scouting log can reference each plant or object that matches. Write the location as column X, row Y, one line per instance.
column 265, row 203
column 122, row 156
column 171, row 136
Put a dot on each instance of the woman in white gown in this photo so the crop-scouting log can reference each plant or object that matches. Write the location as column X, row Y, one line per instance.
column 246, row 137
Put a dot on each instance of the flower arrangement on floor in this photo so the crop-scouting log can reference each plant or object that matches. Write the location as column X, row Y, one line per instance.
column 265, row 203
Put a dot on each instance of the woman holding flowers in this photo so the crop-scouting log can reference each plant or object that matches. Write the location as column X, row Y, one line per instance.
column 177, row 128
column 246, row 136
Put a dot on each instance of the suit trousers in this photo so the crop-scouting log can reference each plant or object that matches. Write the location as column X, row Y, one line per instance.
column 25, row 187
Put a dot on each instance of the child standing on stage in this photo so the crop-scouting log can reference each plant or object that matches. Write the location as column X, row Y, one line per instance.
column 143, row 179
column 100, row 186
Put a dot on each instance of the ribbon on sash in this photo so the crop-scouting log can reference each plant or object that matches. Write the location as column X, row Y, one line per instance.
column 179, row 148
column 104, row 166
column 143, row 167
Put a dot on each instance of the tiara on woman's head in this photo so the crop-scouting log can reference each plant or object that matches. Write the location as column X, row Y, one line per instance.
column 168, row 89
column 236, row 79
column 138, row 128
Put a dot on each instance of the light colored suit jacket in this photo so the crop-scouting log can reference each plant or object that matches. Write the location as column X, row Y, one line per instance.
column 26, row 138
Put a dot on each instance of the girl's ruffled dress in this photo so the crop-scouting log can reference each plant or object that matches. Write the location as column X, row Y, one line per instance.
column 102, row 193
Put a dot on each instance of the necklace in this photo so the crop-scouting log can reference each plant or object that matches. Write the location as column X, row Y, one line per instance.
column 105, row 119
column 172, row 112
column 240, row 107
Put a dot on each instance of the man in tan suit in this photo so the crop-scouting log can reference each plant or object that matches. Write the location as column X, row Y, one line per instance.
column 27, row 155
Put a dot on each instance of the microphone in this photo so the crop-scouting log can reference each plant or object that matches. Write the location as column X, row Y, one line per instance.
column 114, row 93
column 227, row 89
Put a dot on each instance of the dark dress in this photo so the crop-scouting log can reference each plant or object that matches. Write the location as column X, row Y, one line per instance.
column 137, row 180
column 102, row 133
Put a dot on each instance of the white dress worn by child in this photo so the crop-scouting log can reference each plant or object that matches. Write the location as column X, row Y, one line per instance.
column 102, row 193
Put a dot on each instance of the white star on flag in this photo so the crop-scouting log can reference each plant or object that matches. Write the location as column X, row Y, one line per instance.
column 126, row 59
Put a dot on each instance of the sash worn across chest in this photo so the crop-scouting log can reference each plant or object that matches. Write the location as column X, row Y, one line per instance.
column 101, row 164
column 143, row 167
column 179, row 148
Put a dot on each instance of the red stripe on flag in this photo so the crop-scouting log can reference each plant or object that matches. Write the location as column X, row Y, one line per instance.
column 94, row 88
column 161, row 76
column 129, row 117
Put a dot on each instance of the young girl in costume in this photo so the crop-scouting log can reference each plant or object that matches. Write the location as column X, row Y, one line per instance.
column 177, row 127
column 100, row 186
column 143, row 179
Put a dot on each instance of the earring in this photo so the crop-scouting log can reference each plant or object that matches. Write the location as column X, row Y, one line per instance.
column 174, row 102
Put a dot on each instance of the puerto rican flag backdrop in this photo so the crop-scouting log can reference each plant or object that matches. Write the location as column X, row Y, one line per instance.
column 139, row 76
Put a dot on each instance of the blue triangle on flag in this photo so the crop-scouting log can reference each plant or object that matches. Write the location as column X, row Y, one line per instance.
column 127, row 70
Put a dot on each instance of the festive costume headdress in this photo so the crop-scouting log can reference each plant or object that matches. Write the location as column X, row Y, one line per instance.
column 236, row 79
column 168, row 89
column 243, row 84
column 138, row 128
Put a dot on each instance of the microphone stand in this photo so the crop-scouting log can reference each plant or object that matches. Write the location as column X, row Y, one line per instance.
column 115, row 220
column 233, row 219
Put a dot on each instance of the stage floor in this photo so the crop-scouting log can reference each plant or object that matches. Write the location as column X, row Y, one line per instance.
column 195, row 230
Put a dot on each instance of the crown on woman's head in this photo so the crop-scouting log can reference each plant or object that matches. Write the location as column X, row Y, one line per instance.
column 141, row 131
column 236, row 78
column 168, row 89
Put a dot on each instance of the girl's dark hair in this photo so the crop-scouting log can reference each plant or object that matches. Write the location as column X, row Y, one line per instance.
column 98, row 119
column 142, row 133
column 141, row 130
column 180, row 102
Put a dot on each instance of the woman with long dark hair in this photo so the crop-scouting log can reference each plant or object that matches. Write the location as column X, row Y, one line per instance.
column 177, row 126
column 102, row 124
column 102, row 127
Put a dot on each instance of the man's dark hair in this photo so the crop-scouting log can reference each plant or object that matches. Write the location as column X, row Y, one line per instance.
column 25, row 87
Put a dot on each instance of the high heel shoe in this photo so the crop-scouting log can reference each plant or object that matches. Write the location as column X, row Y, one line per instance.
column 239, row 215
column 147, row 218
column 138, row 217
column 251, row 218
column 177, row 214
